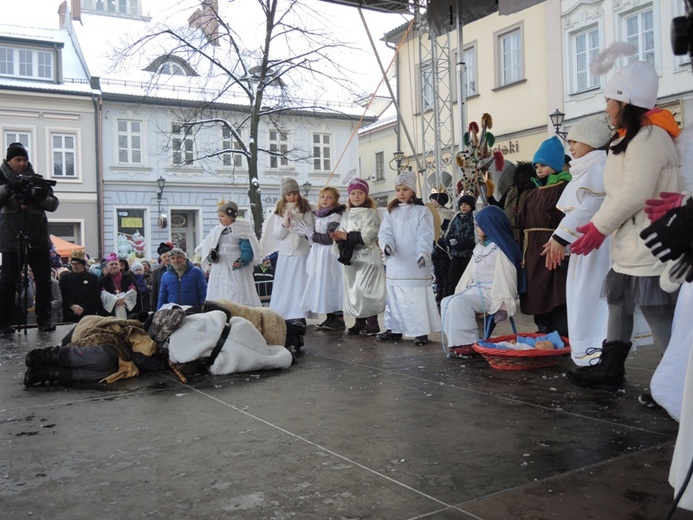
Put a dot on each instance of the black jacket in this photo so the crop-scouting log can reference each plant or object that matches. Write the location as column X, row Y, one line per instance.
column 29, row 217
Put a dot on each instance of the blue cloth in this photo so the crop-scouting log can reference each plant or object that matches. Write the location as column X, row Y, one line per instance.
column 553, row 337
column 495, row 224
column 246, row 251
column 551, row 153
column 189, row 289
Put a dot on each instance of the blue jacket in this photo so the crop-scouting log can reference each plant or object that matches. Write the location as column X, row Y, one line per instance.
column 189, row 289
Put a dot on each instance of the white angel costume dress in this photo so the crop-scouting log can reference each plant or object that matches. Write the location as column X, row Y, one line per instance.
column 225, row 282
column 325, row 287
column 290, row 276
column 587, row 311
column 488, row 284
column 411, row 308
column 364, row 278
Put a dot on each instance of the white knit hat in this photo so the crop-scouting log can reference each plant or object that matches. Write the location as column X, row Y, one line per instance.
column 287, row 186
column 408, row 179
column 635, row 84
column 593, row 131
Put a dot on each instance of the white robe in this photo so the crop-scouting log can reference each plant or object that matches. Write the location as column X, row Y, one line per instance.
column 411, row 306
column 109, row 300
column 290, row 276
column 225, row 282
column 325, row 288
column 244, row 350
column 364, row 279
column 488, row 284
column 587, row 311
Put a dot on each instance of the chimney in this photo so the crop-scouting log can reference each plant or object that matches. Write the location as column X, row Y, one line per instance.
column 77, row 10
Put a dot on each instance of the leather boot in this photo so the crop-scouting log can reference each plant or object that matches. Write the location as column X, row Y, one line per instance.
column 357, row 327
column 35, row 375
column 295, row 327
column 372, row 328
column 609, row 373
column 43, row 357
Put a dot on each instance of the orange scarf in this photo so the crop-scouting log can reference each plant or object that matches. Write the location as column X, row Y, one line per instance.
column 661, row 118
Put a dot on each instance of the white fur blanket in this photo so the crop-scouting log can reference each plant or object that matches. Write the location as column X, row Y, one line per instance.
column 245, row 350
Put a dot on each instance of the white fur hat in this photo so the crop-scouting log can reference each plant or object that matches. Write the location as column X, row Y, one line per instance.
column 635, row 84
column 593, row 131
column 288, row 185
column 408, row 179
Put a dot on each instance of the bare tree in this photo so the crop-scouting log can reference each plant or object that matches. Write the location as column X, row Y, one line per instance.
column 288, row 69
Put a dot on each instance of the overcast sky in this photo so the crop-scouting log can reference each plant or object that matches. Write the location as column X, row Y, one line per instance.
column 43, row 13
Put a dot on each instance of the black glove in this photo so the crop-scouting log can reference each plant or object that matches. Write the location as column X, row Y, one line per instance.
column 18, row 185
column 682, row 271
column 670, row 236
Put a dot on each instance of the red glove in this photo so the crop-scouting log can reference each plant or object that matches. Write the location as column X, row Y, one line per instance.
column 656, row 208
column 591, row 239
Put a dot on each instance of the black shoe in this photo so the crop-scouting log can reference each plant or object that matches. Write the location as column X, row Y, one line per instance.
column 608, row 374
column 357, row 327
column 421, row 340
column 46, row 326
column 648, row 400
column 388, row 335
column 42, row 357
column 321, row 325
column 334, row 324
column 43, row 375
column 6, row 329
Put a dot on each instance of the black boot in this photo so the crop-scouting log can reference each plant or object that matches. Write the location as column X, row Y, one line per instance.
column 357, row 327
column 335, row 322
column 609, row 373
column 42, row 375
column 328, row 319
column 372, row 328
column 295, row 327
column 43, row 357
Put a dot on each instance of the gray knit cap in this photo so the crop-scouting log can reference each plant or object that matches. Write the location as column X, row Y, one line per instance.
column 288, row 185
column 593, row 131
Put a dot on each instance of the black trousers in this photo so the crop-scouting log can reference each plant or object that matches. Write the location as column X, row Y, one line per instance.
column 457, row 266
column 40, row 264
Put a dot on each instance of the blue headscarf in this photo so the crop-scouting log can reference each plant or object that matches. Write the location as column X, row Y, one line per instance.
column 495, row 224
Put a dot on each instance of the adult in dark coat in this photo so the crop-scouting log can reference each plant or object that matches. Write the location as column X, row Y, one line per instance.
column 164, row 252
column 80, row 290
column 24, row 199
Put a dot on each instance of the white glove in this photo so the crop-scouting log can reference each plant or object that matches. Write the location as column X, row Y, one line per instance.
column 388, row 251
column 302, row 228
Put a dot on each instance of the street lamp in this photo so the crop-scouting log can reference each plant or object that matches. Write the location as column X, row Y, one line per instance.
column 161, row 219
column 306, row 187
column 557, row 121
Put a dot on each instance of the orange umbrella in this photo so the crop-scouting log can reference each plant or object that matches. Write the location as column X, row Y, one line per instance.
column 63, row 247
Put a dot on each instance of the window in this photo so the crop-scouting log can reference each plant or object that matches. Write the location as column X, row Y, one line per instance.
column 427, row 87
column 639, row 31
column 130, row 7
column 171, row 65
column 64, row 153
column 510, row 68
column 469, row 58
column 229, row 142
column 27, row 63
column 585, row 48
column 278, row 146
column 322, row 152
column 130, row 232
column 129, row 142
column 379, row 166
column 182, row 145
column 16, row 136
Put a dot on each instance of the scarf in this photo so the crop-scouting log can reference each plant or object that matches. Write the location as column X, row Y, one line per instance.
column 661, row 118
column 552, row 178
column 581, row 165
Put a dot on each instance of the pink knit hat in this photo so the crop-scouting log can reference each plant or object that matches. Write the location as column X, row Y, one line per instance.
column 358, row 184
column 111, row 258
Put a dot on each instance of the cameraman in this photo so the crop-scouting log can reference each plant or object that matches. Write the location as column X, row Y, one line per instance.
column 24, row 199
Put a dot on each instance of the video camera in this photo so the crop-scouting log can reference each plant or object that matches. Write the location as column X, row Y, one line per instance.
column 33, row 186
column 682, row 32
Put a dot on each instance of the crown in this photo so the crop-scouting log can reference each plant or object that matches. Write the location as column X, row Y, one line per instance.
column 438, row 189
column 78, row 253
